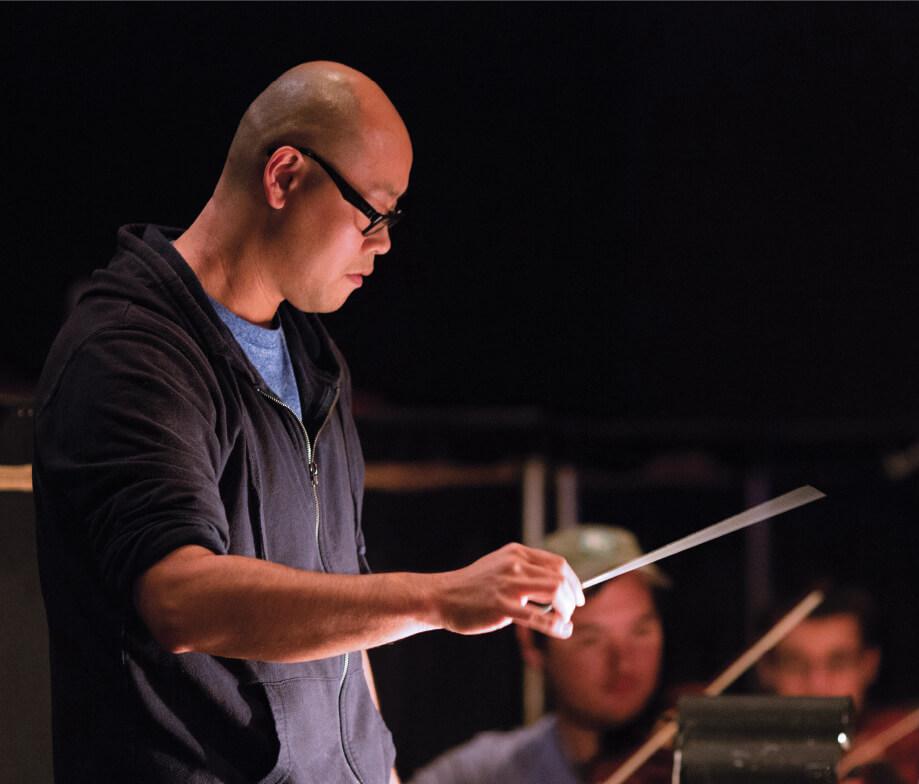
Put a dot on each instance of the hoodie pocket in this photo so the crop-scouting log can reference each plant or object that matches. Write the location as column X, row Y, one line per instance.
column 365, row 735
column 306, row 718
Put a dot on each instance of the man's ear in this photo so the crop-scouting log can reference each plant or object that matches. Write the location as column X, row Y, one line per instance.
column 283, row 172
column 532, row 656
column 871, row 663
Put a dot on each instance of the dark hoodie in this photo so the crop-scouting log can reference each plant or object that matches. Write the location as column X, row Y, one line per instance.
column 154, row 431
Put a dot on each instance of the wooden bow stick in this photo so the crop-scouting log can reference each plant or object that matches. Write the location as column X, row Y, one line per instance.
column 876, row 745
column 753, row 654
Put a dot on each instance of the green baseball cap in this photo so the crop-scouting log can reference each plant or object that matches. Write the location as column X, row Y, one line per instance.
column 594, row 548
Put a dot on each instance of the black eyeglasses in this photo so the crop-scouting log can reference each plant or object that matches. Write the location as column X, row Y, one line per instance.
column 378, row 220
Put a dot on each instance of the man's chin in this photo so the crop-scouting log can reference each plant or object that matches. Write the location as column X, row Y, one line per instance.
column 324, row 306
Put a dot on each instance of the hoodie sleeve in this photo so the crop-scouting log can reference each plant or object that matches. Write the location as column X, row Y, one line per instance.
column 130, row 443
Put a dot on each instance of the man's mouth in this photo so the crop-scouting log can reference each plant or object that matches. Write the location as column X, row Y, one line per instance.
column 621, row 686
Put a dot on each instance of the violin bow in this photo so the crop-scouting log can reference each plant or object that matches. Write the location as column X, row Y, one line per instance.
column 877, row 744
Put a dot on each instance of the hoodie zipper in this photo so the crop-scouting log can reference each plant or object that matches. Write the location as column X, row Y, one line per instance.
column 312, row 467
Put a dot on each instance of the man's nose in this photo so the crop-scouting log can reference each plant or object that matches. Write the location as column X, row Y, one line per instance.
column 379, row 243
column 616, row 656
column 818, row 681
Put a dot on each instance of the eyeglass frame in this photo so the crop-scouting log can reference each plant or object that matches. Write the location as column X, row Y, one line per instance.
column 378, row 220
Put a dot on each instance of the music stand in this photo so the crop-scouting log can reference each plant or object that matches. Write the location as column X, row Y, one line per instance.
column 761, row 740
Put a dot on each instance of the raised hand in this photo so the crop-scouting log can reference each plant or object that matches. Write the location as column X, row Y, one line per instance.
column 506, row 586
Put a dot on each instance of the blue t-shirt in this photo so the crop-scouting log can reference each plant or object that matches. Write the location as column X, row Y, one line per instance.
column 528, row 755
column 267, row 350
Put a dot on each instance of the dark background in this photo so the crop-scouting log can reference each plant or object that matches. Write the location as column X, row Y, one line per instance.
column 616, row 209
column 666, row 236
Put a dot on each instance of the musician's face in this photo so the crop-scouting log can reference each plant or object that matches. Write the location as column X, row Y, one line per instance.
column 607, row 671
column 822, row 657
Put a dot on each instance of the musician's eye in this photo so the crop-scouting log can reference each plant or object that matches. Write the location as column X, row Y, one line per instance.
column 647, row 627
column 586, row 638
column 793, row 665
column 842, row 661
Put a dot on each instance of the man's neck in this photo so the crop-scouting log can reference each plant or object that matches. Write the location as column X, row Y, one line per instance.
column 579, row 743
column 227, row 267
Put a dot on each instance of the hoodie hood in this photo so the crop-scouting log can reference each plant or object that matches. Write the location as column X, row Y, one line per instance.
column 149, row 274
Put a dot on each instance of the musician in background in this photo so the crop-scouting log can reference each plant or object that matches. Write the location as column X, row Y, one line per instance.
column 603, row 681
column 835, row 653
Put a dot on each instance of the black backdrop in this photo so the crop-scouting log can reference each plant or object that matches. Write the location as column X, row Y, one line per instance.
column 650, row 212
column 616, row 209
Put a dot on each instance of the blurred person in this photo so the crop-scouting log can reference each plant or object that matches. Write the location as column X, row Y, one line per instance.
column 603, row 681
column 835, row 653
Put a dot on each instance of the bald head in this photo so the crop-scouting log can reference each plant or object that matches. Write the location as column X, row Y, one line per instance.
column 323, row 105
column 280, row 225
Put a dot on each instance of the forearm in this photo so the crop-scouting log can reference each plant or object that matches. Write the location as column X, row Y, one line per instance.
column 251, row 609
column 225, row 605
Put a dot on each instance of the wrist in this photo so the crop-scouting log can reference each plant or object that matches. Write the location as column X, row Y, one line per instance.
column 426, row 601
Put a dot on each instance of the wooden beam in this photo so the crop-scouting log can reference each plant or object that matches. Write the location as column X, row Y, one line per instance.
column 394, row 477
column 436, row 475
column 17, row 478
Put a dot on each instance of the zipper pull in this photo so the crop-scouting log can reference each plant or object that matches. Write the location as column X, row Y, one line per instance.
column 314, row 473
